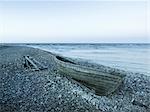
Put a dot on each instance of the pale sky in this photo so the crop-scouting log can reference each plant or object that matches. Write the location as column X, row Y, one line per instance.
column 74, row 21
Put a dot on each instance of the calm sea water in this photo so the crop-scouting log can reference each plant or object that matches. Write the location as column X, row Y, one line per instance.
column 129, row 57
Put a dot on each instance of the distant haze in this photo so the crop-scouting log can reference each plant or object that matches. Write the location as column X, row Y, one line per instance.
column 75, row 21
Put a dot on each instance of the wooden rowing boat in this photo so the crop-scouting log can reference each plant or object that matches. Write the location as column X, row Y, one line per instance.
column 102, row 83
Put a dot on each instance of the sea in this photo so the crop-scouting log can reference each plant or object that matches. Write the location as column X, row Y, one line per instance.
column 131, row 57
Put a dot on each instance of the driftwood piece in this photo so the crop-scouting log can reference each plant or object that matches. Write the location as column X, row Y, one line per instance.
column 30, row 63
column 34, row 64
column 102, row 83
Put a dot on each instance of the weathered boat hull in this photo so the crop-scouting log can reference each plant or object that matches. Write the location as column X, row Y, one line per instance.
column 102, row 83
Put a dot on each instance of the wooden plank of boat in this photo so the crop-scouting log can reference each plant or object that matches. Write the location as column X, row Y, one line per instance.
column 102, row 83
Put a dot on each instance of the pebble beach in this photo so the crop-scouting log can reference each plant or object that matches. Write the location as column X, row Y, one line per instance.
column 25, row 90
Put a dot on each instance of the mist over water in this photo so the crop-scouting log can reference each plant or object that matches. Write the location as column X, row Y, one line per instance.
column 129, row 57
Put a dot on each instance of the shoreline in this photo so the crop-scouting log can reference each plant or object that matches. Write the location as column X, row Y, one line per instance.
column 131, row 58
column 135, row 87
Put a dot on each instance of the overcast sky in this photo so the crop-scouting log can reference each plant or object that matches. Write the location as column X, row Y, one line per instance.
column 81, row 21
